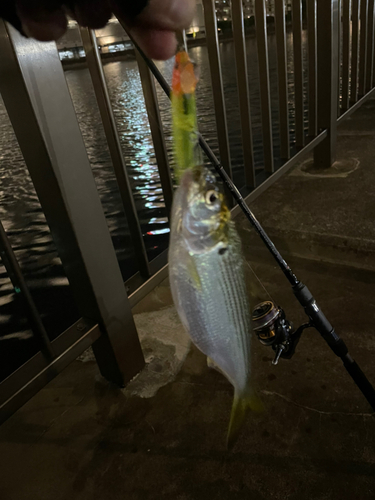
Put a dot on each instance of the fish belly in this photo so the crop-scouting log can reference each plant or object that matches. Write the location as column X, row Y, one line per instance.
column 210, row 295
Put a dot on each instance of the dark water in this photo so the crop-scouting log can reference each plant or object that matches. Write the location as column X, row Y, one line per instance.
column 23, row 218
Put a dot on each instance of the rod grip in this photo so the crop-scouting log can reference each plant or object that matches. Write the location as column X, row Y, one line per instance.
column 318, row 319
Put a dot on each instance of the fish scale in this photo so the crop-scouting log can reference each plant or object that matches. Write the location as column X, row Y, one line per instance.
column 227, row 313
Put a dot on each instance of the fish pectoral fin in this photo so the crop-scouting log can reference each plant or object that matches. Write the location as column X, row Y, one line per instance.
column 194, row 275
column 240, row 407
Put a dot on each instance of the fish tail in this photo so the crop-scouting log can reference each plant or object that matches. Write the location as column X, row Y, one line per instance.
column 241, row 405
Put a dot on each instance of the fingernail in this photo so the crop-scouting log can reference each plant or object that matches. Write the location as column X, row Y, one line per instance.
column 181, row 13
column 169, row 14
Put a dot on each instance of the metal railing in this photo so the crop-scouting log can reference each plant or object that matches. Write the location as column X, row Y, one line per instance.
column 340, row 67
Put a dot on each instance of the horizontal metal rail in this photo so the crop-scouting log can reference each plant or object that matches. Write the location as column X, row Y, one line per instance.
column 282, row 171
column 21, row 290
column 19, row 387
column 357, row 105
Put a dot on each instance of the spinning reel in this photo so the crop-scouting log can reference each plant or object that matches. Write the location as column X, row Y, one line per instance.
column 273, row 329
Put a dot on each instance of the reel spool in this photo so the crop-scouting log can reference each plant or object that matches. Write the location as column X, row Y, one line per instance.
column 273, row 330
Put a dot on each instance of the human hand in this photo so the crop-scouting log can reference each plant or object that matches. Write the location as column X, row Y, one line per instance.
column 151, row 22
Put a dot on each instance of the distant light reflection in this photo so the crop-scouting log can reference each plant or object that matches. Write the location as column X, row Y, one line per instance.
column 159, row 220
column 159, row 231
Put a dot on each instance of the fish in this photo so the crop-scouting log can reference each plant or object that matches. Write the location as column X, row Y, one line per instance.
column 187, row 152
column 206, row 273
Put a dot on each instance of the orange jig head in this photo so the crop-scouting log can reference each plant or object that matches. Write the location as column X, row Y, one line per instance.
column 184, row 80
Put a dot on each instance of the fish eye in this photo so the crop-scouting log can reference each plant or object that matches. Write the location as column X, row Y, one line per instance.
column 211, row 196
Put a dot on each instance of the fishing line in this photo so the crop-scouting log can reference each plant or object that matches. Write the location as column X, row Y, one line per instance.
column 260, row 282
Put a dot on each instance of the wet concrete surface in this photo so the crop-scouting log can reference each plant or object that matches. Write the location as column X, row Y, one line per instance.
column 81, row 438
column 329, row 217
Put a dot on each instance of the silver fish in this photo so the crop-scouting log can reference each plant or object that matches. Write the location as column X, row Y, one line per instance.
column 208, row 286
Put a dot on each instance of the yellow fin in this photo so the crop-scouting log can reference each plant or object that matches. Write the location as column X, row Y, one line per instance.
column 240, row 407
column 194, row 275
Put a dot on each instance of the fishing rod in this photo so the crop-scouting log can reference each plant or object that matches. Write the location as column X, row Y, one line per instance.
column 269, row 321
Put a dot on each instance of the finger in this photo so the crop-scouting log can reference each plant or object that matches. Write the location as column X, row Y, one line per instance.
column 157, row 44
column 43, row 20
column 9, row 13
column 92, row 13
column 159, row 14
column 128, row 8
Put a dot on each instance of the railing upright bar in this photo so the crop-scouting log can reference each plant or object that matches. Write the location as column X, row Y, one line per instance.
column 370, row 47
column 265, row 98
column 339, row 54
column 355, row 52
column 217, row 84
column 109, row 124
column 313, row 74
column 181, row 39
column 243, row 92
column 363, row 47
column 346, row 23
column 21, row 290
column 328, row 19
column 36, row 96
column 298, row 73
column 152, row 106
column 282, row 79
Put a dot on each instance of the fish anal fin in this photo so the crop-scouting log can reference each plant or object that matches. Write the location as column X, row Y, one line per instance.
column 213, row 366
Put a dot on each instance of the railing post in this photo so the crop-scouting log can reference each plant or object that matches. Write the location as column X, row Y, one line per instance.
column 243, row 91
column 327, row 19
column 312, row 50
column 156, row 126
column 217, row 84
column 264, row 79
column 339, row 29
column 95, row 66
column 370, row 47
column 298, row 73
column 37, row 99
column 282, row 72
column 363, row 41
column 346, row 28
column 355, row 52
